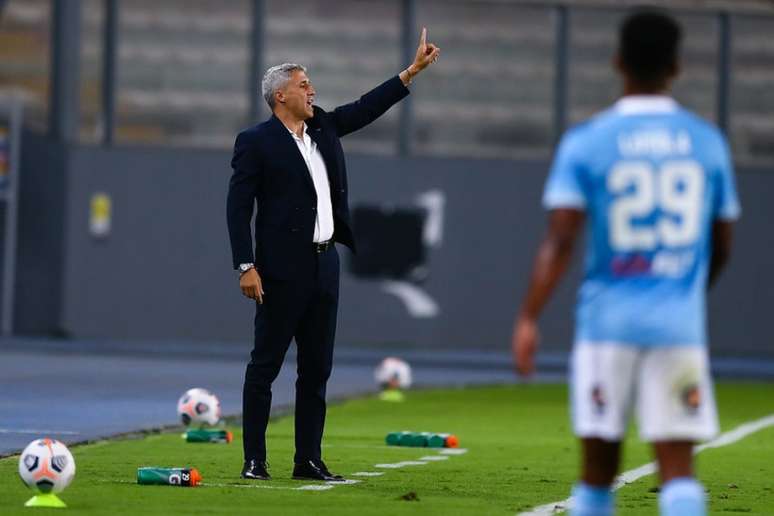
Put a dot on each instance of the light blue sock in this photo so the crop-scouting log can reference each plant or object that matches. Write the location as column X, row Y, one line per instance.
column 682, row 497
column 591, row 501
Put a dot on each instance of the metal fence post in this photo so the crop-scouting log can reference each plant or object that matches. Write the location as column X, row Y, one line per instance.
column 561, row 51
column 109, row 55
column 406, row 122
column 65, row 70
column 10, row 194
column 256, row 53
column 724, row 71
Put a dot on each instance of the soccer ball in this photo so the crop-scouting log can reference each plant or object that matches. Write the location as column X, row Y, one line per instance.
column 198, row 406
column 393, row 373
column 47, row 466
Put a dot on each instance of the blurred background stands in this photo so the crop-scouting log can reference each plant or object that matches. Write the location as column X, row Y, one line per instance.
column 504, row 90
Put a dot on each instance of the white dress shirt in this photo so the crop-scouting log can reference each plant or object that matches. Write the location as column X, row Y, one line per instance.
column 323, row 227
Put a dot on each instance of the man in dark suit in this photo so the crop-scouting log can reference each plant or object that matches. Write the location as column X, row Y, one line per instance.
column 293, row 166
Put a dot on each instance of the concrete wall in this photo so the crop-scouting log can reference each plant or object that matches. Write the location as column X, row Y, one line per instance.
column 164, row 271
column 41, row 237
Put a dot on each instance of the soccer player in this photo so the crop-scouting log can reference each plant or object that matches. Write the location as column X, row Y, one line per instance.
column 654, row 186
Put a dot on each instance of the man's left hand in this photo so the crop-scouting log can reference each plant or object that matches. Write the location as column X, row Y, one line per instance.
column 427, row 53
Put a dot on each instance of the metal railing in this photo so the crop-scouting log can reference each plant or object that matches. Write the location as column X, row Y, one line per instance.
column 64, row 91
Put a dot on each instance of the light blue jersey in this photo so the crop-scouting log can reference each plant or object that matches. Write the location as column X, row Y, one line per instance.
column 651, row 177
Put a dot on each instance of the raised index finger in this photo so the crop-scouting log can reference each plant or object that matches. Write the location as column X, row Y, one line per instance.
column 423, row 37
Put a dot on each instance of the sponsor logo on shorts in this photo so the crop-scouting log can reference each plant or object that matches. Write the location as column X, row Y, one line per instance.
column 598, row 399
column 691, row 398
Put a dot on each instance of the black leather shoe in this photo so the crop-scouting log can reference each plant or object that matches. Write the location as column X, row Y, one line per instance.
column 324, row 469
column 314, row 470
column 255, row 470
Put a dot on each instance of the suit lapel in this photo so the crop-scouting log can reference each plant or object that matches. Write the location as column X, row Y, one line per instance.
column 287, row 146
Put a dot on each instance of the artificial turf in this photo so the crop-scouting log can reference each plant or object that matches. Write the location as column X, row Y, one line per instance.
column 520, row 454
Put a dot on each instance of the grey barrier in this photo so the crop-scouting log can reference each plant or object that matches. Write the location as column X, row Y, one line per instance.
column 157, row 264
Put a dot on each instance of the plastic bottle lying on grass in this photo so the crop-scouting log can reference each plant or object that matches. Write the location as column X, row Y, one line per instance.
column 443, row 441
column 204, row 435
column 183, row 477
column 422, row 440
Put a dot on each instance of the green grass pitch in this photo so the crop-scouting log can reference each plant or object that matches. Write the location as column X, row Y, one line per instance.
column 521, row 454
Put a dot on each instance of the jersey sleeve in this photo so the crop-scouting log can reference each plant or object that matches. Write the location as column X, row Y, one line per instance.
column 564, row 187
column 726, row 201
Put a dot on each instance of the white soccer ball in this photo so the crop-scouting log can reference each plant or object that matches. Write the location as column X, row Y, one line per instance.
column 47, row 466
column 393, row 373
column 198, row 406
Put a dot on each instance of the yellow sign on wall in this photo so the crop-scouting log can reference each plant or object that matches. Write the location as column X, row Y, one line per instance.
column 101, row 215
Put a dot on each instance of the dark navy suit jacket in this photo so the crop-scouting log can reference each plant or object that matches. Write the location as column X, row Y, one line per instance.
column 269, row 170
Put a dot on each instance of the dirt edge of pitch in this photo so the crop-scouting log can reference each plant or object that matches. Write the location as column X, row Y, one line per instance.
column 232, row 419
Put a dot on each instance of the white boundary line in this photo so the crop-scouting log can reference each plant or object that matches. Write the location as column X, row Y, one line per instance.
column 453, row 451
column 401, row 464
column 309, row 487
column 627, row 477
column 36, row 431
column 443, row 454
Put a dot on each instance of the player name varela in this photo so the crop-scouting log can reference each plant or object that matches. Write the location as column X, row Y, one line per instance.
column 654, row 142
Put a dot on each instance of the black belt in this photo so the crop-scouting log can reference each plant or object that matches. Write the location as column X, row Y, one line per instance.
column 321, row 247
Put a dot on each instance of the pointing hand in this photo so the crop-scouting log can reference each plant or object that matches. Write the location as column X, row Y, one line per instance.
column 427, row 53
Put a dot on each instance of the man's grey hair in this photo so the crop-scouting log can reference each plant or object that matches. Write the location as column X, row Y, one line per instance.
column 276, row 78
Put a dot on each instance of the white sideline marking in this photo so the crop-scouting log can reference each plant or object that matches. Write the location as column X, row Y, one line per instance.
column 443, row 455
column 36, row 431
column 331, row 484
column 627, row 477
column 453, row 451
column 738, row 433
column 310, row 487
column 401, row 464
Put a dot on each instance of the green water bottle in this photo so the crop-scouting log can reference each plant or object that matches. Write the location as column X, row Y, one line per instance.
column 443, row 441
column 420, row 439
column 183, row 477
column 414, row 439
column 205, row 435
column 393, row 438
column 406, row 438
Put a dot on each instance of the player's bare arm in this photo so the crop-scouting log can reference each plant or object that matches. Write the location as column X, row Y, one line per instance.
column 427, row 53
column 722, row 236
column 553, row 257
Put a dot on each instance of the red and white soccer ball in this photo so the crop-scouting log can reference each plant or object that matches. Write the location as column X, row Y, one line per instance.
column 198, row 406
column 393, row 373
column 47, row 466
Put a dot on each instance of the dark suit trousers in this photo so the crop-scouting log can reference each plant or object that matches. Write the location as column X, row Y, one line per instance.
column 304, row 307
